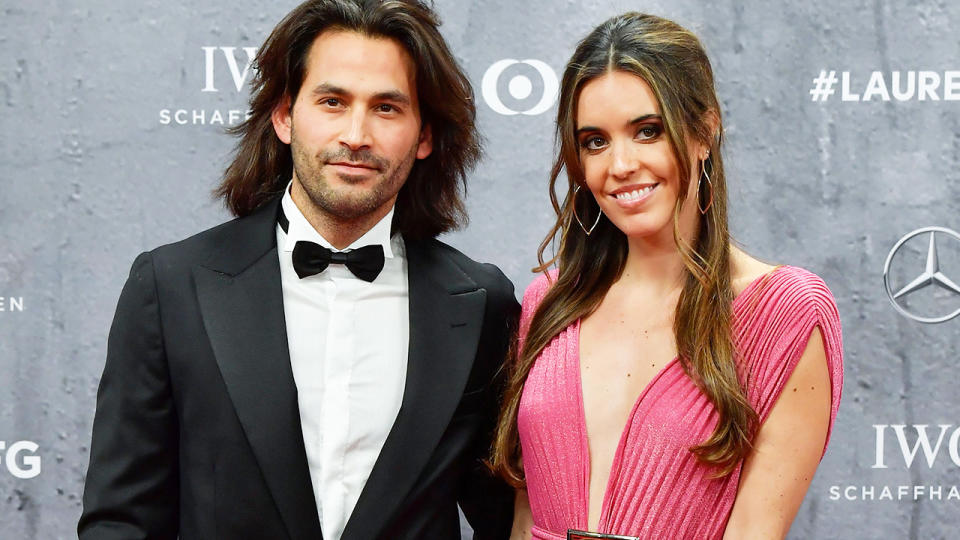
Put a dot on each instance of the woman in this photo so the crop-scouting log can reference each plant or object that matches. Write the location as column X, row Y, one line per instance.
column 666, row 384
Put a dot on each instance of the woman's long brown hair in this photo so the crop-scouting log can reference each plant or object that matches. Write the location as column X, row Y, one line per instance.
column 673, row 63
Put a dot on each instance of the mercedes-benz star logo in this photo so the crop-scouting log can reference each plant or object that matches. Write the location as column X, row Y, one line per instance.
column 931, row 275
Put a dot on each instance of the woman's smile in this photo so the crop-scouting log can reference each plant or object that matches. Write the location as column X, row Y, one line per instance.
column 633, row 196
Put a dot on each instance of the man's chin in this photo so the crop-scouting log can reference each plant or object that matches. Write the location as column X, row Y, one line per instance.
column 349, row 208
column 347, row 197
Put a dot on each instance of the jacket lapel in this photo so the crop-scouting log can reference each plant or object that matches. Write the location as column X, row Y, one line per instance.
column 446, row 315
column 241, row 299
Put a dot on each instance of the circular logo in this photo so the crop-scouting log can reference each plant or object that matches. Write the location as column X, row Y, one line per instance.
column 931, row 274
column 519, row 87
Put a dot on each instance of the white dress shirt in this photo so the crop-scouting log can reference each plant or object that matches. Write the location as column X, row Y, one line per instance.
column 348, row 350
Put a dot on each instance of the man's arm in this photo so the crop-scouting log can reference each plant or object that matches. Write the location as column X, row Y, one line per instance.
column 131, row 489
column 487, row 501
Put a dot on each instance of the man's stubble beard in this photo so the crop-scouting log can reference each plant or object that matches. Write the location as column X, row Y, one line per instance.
column 342, row 205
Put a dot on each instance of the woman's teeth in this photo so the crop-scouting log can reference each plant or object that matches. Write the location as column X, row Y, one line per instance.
column 635, row 194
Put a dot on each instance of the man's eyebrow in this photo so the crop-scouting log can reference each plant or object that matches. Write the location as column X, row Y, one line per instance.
column 327, row 88
column 395, row 96
column 635, row 121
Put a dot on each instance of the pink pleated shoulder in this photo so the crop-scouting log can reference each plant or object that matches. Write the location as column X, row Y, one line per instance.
column 657, row 488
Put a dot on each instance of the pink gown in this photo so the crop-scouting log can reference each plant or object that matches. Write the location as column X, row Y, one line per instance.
column 657, row 488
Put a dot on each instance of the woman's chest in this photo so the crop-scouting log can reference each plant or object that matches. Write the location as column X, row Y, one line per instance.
column 666, row 405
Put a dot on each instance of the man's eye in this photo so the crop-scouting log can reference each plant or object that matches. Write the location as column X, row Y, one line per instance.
column 386, row 108
column 330, row 102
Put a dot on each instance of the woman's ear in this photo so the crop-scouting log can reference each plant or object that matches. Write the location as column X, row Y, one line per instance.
column 712, row 121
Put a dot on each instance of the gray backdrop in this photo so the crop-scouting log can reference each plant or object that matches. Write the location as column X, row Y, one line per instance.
column 93, row 171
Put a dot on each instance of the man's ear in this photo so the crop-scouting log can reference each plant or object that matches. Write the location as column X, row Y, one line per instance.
column 425, row 147
column 282, row 119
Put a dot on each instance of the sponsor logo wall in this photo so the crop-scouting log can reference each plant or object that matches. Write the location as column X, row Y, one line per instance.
column 842, row 146
column 222, row 71
column 21, row 459
column 520, row 87
column 943, row 293
column 896, row 86
column 11, row 304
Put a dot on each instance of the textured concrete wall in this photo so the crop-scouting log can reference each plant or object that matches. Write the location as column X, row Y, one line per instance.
column 90, row 175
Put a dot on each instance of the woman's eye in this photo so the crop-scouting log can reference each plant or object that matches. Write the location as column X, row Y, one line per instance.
column 648, row 132
column 593, row 143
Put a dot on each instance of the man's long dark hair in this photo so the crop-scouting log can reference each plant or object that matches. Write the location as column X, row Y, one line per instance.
column 431, row 200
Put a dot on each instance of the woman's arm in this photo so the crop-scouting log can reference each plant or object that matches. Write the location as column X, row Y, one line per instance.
column 522, row 518
column 787, row 450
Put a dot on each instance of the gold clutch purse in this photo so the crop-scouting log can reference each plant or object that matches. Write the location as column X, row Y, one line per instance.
column 584, row 535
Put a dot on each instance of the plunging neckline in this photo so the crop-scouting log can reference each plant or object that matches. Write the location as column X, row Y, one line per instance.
column 625, row 431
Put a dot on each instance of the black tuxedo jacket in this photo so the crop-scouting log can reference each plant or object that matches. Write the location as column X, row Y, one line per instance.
column 197, row 428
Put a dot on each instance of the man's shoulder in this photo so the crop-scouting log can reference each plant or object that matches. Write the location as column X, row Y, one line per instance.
column 197, row 245
column 487, row 275
column 240, row 239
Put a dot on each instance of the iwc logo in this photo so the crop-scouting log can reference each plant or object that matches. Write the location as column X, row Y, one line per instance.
column 520, row 89
column 240, row 70
column 908, row 279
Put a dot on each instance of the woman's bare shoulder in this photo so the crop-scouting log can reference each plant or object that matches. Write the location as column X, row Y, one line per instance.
column 745, row 269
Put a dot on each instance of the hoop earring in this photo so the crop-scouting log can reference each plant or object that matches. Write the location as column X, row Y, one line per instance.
column 576, row 189
column 704, row 173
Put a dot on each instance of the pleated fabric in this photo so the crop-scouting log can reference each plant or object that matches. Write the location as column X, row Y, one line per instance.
column 657, row 488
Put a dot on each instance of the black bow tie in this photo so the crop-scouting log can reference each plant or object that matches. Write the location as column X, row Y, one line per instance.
column 365, row 263
column 310, row 258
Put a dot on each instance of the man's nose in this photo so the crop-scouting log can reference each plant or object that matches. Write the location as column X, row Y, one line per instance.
column 356, row 135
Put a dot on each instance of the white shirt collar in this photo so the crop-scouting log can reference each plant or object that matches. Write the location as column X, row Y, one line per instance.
column 300, row 229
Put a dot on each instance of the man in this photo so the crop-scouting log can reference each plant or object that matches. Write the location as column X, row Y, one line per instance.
column 303, row 369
